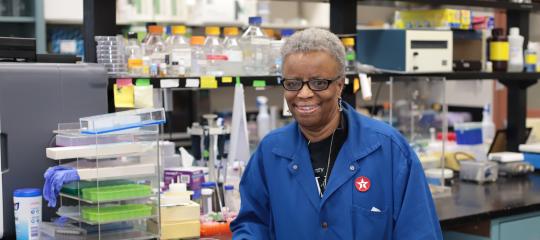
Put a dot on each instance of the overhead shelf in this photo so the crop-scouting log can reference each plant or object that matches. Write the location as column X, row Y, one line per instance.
column 502, row 4
column 378, row 77
column 205, row 82
column 210, row 82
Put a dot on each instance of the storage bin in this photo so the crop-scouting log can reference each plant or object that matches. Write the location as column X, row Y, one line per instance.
column 469, row 133
column 117, row 192
column 116, row 213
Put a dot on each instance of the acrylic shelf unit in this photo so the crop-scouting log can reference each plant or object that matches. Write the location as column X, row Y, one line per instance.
column 117, row 159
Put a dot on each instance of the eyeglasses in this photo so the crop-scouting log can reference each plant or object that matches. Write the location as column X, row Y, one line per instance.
column 316, row 84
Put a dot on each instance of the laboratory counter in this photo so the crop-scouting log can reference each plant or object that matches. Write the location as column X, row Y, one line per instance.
column 478, row 204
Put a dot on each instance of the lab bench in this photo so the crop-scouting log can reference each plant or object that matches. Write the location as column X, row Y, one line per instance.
column 506, row 209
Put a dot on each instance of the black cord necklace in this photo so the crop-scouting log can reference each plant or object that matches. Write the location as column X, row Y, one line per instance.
column 327, row 165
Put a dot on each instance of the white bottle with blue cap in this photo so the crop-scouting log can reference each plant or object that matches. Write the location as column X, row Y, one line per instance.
column 27, row 205
column 488, row 127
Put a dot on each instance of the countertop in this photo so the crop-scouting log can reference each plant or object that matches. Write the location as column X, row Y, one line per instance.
column 471, row 202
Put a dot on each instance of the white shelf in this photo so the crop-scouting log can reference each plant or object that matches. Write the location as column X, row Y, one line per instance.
column 117, row 172
column 96, row 151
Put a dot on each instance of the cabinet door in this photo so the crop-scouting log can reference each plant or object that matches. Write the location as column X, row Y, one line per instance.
column 523, row 227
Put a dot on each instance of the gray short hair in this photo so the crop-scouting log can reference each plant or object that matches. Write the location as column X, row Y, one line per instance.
column 314, row 39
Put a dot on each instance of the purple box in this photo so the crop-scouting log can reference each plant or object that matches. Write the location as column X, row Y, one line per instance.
column 193, row 177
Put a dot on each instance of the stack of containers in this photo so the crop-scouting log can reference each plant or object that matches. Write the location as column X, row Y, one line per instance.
column 110, row 51
column 531, row 154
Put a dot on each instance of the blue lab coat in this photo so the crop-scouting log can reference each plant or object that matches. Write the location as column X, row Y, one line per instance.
column 280, row 199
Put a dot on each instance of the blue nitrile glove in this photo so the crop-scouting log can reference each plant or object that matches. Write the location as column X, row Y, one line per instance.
column 55, row 178
column 47, row 188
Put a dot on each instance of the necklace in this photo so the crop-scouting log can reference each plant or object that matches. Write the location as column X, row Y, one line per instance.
column 327, row 163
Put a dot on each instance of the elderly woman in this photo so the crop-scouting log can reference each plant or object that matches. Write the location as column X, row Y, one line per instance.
column 333, row 173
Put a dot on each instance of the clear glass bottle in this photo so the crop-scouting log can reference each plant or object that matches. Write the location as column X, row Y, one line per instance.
column 233, row 52
column 179, row 51
column 230, row 201
column 155, row 46
column 256, row 47
column 134, row 55
column 275, row 51
column 214, row 52
column 198, row 57
column 350, row 54
column 206, row 200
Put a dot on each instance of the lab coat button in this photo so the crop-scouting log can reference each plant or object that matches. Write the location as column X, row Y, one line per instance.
column 352, row 167
column 324, row 225
column 295, row 167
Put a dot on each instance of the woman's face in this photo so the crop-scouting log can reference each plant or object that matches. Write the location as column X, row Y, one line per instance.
column 313, row 109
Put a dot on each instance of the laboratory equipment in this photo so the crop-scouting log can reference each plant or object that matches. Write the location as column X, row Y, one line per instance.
column 180, row 51
column 350, row 54
column 230, row 198
column 255, row 46
column 110, row 52
column 179, row 216
column 488, row 127
column 206, row 200
column 64, row 93
column 198, row 57
column 505, row 157
column 119, row 121
column 154, row 46
column 233, row 51
column 531, row 153
column 193, row 177
column 515, row 169
column 515, row 41
column 263, row 118
column 434, row 176
column 213, row 49
column 27, row 204
column 499, row 50
column 133, row 198
column 211, row 149
column 530, row 58
column 134, row 55
column 478, row 171
column 445, row 18
column 406, row 50
column 417, row 109
column 468, row 133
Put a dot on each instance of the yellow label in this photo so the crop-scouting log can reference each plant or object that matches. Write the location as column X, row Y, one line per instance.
column 356, row 85
column 135, row 62
column 530, row 59
column 499, row 51
column 226, row 79
column 124, row 96
column 208, row 82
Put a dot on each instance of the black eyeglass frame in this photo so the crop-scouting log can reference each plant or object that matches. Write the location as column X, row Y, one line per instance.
column 329, row 81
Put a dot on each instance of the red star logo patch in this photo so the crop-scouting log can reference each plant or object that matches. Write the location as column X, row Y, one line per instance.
column 362, row 184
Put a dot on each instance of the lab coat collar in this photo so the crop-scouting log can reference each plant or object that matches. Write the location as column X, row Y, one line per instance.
column 361, row 141
column 361, row 138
